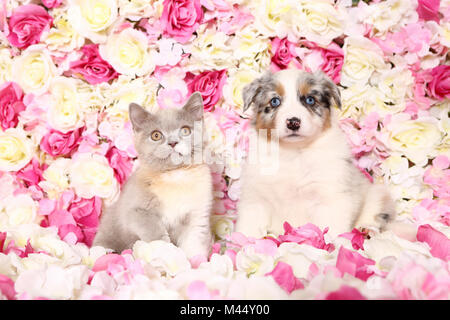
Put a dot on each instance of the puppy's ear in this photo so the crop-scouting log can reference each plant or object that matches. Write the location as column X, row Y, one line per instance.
column 194, row 105
column 139, row 117
column 250, row 91
column 330, row 87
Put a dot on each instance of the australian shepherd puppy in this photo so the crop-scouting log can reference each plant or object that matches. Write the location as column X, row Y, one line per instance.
column 316, row 180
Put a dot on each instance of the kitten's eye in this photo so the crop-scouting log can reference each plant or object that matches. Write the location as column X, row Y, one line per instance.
column 275, row 102
column 156, row 135
column 185, row 131
column 310, row 100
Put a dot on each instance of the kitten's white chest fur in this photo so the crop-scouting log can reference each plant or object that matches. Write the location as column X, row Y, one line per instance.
column 183, row 191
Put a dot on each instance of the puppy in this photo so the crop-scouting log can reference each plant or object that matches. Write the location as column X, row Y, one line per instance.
column 316, row 180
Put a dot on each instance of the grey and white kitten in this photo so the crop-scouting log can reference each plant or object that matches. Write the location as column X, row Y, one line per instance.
column 169, row 196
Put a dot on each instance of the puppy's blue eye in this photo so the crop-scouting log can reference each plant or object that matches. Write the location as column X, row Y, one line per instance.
column 275, row 102
column 310, row 100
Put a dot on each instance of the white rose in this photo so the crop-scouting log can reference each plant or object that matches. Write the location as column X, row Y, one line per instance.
column 253, row 263
column 222, row 226
column 62, row 36
column 232, row 90
column 274, row 17
column 128, row 52
column 91, row 175
column 361, row 58
column 91, row 18
column 162, row 255
column 210, row 50
column 416, row 139
column 16, row 150
column 64, row 113
column 319, row 21
column 252, row 51
column 20, row 209
column 359, row 100
column 33, row 70
column 56, row 178
column 5, row 64
column 136, row 9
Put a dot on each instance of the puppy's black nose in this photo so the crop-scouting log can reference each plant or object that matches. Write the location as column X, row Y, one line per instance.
column 173, row 144
column 293, row 123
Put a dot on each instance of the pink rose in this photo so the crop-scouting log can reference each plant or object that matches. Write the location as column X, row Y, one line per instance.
column 333, row 58
column 26, row 25
column 209, row 84
column 92, row 67
column 180, row 18
column 121, row 163
column 283, row 52
column 439, row 86
column 56, row 143
column 11, row 104
column 86, row 213
column 428, row 10
column 50, row 4
column 31, row 174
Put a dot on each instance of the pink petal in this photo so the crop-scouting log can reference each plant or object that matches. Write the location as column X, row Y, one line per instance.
column 7, row 287
column 345, row 293
column 284, row 276
column 438, row 242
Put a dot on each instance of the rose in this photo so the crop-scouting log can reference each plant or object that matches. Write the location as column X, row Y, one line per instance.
column 428, row 9
column 121, row 163
column 16, row 150
column 91, row 18
column 233, row 89
column 128, row 53
column 63, row 37
column 439, row 86
column 11, row 104
column 283, row 51
column 209, row 84
column 416, row 139
column 180, row 18
column 362, row 58
column 64, row 113
column 56, row 178
column 86, row 213
column 92, row 67
column 333, row 60
column 26, row 25
column 50, row 4
column 251, row 50
column 56, row 143
column 319, row 22
column 34, row 69
column 91, row 175
column 20, row 209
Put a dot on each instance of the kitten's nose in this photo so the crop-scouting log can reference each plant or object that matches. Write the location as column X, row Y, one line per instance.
column 173, row 144
column 293, row 123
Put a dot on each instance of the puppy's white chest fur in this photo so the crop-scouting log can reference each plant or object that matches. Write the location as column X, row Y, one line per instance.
column 182, row 191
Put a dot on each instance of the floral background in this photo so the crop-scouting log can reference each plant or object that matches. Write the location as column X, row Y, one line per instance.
column 69, row 69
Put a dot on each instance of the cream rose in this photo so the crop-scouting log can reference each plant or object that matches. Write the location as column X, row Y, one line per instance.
column 136, row 9
column 128, row 52
column 318, row 21
column 34, row 70
column 63, row 37
column 273, row 17
column 222, row 226
column 416, row 139
column 92, row 18
column 233, row 88
column 361, row 58
column 252, row 51
column 16, row 150
column 20, row 209
column 5, row 64
column 90, row 175
column 64, row 113
column 56, row 178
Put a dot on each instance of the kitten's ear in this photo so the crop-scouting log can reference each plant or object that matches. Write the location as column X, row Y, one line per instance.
column 138, row 116
column 194, row 105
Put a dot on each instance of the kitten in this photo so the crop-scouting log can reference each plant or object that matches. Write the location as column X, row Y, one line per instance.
column 168, row 197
